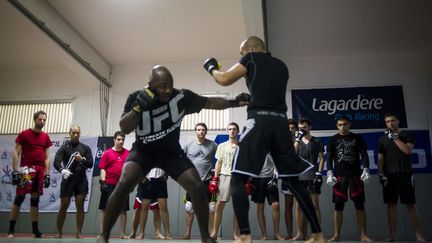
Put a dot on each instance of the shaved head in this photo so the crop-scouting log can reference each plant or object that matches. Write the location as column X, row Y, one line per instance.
column 160, row 74
column 252, row 44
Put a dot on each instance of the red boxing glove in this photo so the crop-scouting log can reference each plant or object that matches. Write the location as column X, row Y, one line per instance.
column 213, row 186
column 249, row 187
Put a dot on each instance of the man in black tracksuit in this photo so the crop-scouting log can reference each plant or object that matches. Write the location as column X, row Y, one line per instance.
column 72, row 160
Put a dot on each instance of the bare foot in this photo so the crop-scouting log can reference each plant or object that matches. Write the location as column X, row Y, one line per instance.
column 159, row 236
column 365, row 238
column 140, row 236
column 78, row 236
column 101, row 240
column 168, row 237
column 132, row 235
column 264, row 237
column 334, row 238
column 186, row 237
column 278, row 237
column 10, row 236
column 297, row 237
column 123, row 236
column 244, row 239
column 236, row 237
column 420, row 238
column 318, row 238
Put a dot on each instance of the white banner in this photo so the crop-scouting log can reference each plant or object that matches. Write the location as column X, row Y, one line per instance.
column 50, row 200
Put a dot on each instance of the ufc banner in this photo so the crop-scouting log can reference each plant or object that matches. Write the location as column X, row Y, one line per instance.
column 50, row 200
column 365, row 107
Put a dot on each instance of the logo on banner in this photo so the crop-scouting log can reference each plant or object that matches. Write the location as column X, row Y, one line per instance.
column 7, row 175
column 54, row 181
column 365, row 107
column 9, row 196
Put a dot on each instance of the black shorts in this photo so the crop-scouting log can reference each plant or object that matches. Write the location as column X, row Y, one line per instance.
column 173, row 164
column 154, row 188
column 262, row 191
column 351, row 183
column 105, row 196
column 311, row 187
column 263, row 132
column 400, row 185
column 74, row 186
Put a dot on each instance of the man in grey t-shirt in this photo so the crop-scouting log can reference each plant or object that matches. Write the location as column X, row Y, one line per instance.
column 201, row 152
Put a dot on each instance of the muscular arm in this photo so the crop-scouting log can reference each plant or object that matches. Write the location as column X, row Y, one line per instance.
column 406, row 148
column 230, row 76
column 47, row 161
column 15, row 156
column 129, row 122
column 218, row 103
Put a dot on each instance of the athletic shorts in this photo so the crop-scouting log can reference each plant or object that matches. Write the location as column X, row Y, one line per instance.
column 224, row 192
column 154, row 204
column 105, row 196
column 154, row 188
column 32, row 180
column 173, row 164
column 264, row 132
column 351, row 183
column 262, row 191
column 400, row 185
column 284, row 188
column 74, row 186
column 311, row 187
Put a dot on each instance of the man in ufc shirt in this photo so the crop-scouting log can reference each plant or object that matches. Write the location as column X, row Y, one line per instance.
column 155, row 113
column 33, row 174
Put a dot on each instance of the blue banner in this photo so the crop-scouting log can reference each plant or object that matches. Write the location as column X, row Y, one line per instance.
column 364, row 106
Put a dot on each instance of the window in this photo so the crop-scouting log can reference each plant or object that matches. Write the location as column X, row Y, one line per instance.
column 17, row 116
column 216, row 120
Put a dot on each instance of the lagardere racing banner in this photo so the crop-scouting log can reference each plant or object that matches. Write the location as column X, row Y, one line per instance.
column 364, row 106
column 50, row 200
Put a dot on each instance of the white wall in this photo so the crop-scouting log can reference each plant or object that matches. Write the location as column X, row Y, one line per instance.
column 54, row 84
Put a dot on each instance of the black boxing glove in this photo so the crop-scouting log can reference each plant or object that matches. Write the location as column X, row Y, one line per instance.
column 211, row 64
column 103, row 186
column 16, row 178
column 299, row 135
column 390, row 134
column 47, row 181
column 144, row 100
column 318, row 180
column 242, row 97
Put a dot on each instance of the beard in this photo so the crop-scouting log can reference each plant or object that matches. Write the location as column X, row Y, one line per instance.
column 39, row 126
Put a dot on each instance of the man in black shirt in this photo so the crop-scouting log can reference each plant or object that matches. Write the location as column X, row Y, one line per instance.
column 265, row 130
column 344, row 173
column 72, row 160
column 395, row 174
column 155, row 113
column 311, row 149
